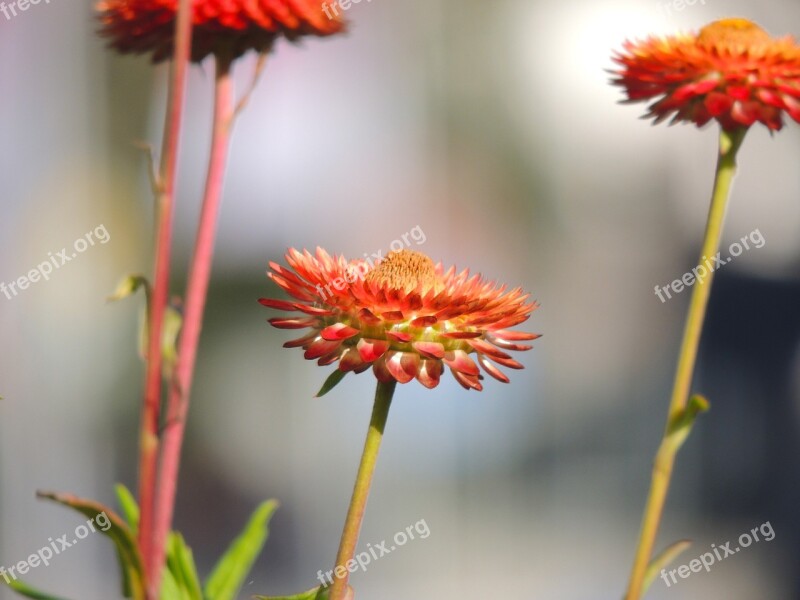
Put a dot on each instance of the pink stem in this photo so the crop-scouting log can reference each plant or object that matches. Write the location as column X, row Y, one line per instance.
column 179, row 391
column 151, row 408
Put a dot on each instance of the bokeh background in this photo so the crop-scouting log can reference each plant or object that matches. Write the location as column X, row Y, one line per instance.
column 491, row 127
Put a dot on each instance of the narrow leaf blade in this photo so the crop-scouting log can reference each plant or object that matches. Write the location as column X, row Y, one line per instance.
column 120, row 534
column 231, row 571
column 180, row 563
column 129, row 506
column 24, row 589
column 318, row 593
column 331, row 382
column 662, row 561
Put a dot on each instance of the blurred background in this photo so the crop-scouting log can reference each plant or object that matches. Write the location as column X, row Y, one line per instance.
column 492, row 128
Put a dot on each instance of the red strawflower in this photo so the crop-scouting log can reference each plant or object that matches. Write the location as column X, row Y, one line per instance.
column 732, row 71
column 229, row 26
column 406, row 318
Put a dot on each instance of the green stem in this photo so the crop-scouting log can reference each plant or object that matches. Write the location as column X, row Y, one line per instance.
column 729, row 144
column 358, row 503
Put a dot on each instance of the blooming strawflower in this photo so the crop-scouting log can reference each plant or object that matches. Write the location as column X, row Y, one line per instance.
column 731, row 71
column 220, row 26
column 406, row 318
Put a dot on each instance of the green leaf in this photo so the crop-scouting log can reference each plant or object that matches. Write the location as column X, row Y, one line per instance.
column 662, row 561
column 180, row 563
column 681, row 426
column 129, row 506
column 318, row 593
column 170, row 590
column 228, row 576
column 170, row 329
column 331, row 382
column 133, row 584
column 29, row 592
column 129, row 286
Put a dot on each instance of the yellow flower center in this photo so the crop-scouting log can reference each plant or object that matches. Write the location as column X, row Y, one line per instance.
column 403, row 270
column 732, row 33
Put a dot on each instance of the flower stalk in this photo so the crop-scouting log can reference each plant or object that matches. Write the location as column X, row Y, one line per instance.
column 730, row 142
column 151, row 409
column 195, row 299
column 358, row 502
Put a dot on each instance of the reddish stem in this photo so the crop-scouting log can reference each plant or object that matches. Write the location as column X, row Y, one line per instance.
column 151, row 408
column 197, row 288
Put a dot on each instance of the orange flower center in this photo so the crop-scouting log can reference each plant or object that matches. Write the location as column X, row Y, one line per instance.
column 732, row 33
column 403, row 270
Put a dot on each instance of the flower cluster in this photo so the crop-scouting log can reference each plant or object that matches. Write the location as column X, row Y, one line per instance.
column 731, row 71
column 406, row 319
column 220, row 26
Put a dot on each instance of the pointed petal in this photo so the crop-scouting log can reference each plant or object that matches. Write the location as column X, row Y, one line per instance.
column 507, row 362
column 372, row 350
column 351, row 360
column 492, row 370
column 303, row 341
column 459, row 361
column 483, row 347
column 298, row 323
column 424, row 322
column 399, row 336
column 338, row 331
column 393, row 316
column 277, row 304
column 461, row 335
column 330, row 358
column 508, row 345
column 467, row 382
column 403, row 366
column 429, row 349
column 381, row 372
column 514, row 336
column 321, row 348
column 368, row 317
column 430, row 372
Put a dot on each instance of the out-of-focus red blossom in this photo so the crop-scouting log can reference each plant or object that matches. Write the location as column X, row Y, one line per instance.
column 229, row 26
column 406, row 318
column 731, row 71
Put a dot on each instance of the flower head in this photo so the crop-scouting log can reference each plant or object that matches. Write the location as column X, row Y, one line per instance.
column 231, row 26
column 406, row 317
column 731, row 71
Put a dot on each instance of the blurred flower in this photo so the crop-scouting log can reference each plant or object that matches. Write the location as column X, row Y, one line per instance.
column 732, row 71
column 231, row 26
column 406, row 318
